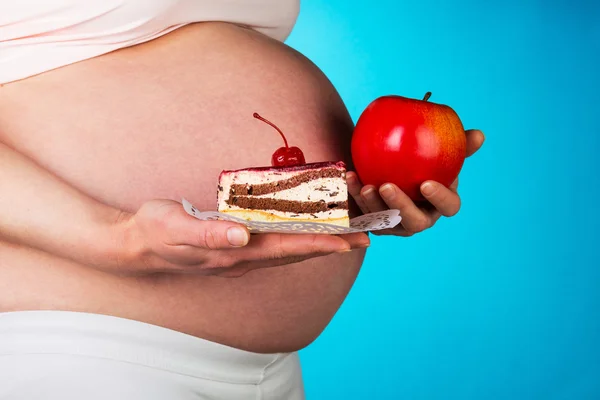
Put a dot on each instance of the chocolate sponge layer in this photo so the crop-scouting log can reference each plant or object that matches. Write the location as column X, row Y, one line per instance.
column 308, row 207
column 272, row 187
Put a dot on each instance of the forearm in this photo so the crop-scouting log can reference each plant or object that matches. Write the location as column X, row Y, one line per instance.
column 39, row 210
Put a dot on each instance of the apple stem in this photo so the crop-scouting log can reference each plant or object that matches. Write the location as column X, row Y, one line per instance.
column 427, row 96
column 274, row 126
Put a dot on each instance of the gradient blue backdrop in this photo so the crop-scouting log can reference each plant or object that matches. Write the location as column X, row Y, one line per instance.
column 503, row 300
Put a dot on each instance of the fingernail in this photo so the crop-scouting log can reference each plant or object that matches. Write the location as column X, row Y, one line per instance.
column 368, row 192
column 343, row 251
column 428, row 189
column 237, row 237
column 387, row 191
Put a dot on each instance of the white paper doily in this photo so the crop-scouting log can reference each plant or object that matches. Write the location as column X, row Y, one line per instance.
column 364, row 223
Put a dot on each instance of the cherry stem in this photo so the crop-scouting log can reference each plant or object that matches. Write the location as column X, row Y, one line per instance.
column 427, row 96
column 274, row 126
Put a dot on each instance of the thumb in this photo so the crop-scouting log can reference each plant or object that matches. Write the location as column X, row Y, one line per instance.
column 180, row 228
column 210, row 235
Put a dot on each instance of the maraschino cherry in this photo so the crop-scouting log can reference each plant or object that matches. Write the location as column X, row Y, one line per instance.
column 284, row 156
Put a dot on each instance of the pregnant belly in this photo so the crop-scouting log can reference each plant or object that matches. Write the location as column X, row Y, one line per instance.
column 161, row 120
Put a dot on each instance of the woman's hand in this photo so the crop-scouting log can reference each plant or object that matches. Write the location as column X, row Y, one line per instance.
column 162, row 237
column 442, row 201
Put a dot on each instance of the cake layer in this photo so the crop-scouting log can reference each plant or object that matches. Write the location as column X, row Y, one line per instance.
column 312, row 192
column 336, row 217
column 258, row 171
column 306, row 207
column 293, row 180
column 326, row 189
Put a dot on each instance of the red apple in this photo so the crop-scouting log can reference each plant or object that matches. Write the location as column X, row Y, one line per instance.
column 408, row 141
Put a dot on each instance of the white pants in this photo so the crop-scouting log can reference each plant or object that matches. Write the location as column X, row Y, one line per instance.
column 66, row 355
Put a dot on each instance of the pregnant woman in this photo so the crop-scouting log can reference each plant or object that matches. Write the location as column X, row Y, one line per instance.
column 111, row 112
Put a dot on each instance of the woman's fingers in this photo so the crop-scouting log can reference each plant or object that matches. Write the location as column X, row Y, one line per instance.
column 475, row 139
column 275, row 246
column 414, row 220
column 372, row 199
column 168, row 220
column 209, row 235
column 265, row 251
column 445, row 200
column 354, row 188
column 454, row 185
column 357, row 240
column 367, row 198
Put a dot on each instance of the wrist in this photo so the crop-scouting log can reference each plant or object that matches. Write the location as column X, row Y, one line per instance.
column 127, row 245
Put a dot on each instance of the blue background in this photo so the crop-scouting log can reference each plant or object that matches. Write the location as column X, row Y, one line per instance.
column 503, row 300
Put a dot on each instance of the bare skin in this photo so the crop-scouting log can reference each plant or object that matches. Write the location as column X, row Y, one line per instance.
column 160, row 121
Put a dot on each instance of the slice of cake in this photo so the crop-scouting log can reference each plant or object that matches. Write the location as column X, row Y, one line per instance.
column 315, row 192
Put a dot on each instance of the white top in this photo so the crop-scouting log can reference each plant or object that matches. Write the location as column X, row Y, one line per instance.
column 41, row 35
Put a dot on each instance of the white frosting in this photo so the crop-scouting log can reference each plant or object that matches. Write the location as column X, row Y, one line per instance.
column 257, row 177
column 319, row 189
